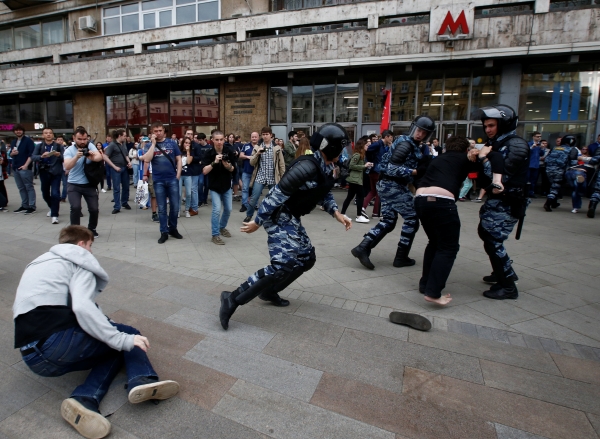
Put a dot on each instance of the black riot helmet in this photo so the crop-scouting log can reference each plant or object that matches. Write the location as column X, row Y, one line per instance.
column 331, row 139
column 507, row 117
column 569, row 140
column 426, row 124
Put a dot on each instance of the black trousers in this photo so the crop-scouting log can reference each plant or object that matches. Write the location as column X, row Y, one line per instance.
column 439, row 218
column 90, row 194
column 355, row 190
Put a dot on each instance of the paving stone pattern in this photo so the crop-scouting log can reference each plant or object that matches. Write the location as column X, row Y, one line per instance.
column 330, row 365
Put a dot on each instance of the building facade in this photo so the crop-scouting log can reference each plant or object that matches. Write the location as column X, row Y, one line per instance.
column 238, row 65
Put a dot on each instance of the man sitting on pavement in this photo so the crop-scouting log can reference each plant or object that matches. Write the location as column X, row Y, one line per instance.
column 60, row 329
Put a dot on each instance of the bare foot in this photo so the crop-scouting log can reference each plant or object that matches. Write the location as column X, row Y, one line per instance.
column 444, row 300
column 497, row 182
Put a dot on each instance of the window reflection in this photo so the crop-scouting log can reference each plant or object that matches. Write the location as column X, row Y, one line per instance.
column 32, row 112
column 181, row 107
column 278, row 104
column 8, row 113
column 372, row 100
column 430, row 98
column 60, row 114
column 485, row 91
column 456, row 98
column 347, row 103
column 206, row 104
column 137, row 109
column 116, row 113
column 302, row 103
column 403, row 99
column 324, row 95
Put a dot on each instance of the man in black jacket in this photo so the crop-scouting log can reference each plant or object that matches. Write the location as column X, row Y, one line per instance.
column 21, row 151
column 506, row 203
column 49, row 156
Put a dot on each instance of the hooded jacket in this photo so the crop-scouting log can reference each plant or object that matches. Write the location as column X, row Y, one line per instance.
column 69, row 276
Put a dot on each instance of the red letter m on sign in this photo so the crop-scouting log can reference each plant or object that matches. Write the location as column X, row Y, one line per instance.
column 449, row 23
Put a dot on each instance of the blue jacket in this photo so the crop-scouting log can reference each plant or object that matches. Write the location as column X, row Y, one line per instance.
column 56, row 163
column 375, row 154
column 534, row 155
column 26, row 149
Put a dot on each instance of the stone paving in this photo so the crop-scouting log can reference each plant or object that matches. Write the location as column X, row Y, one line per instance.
column 330, row 365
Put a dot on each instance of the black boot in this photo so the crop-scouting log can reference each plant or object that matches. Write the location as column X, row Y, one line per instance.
column 506, row 290
column 275, row 299
column 591, row 213
column 555, row 204
column 547, row 204
column 402, row 259
column 228, row 307
column 362, row 251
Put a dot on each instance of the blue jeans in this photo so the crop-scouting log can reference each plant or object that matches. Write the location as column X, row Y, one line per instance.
column 65, row 180
column 191, row 191
column 467, row 185
column 202, row 189
column 532, row 177
column 73, row 349
column 51, row 191
column 24, row 181
column 120, row 182
column 218, row 200
column 578, row 188
column 164, row 189
column 256, row 191
column 108, row 172
column 245, row 187
column 136, row 174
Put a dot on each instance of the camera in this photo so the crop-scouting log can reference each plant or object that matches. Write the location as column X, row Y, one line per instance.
column 85, row 151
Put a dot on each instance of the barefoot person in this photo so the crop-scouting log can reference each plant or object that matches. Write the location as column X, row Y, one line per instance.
column 435, row 204
column 308, row 181
column 60, row 329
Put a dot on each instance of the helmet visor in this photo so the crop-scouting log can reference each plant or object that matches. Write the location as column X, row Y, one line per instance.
column 491, row 113
column 424, row 135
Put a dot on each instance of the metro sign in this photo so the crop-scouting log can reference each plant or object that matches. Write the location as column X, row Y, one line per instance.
column 452, row 22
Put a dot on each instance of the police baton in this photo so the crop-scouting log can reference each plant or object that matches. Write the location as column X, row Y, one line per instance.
column 522, row 219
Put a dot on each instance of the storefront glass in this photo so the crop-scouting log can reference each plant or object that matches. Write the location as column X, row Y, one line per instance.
column 8, row 113
column 347, row 103
column 404, row 91
column 137, row 109
column 485, row 91
column 302, row 103
column 206, row 106
column 116, row 113
column 456, row 97
column 371, row 102
column 181, row 107
column 278, row 104
column 430, row 96
column 60, row 114
column 324, row 103
column 31, row 112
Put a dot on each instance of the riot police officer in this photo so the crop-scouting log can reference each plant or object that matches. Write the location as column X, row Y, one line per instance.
column 398, row 169
column 308, row 181
column 594, row 161
column 557, row 161
column 505, row 204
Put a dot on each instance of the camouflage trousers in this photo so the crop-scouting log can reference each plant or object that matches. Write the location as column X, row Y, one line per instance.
column 289, row 248
column 495, row 224
column 396, row 199
column 596, row 195
column 555, row 176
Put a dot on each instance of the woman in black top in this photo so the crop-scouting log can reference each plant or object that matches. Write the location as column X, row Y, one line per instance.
column 435, row 204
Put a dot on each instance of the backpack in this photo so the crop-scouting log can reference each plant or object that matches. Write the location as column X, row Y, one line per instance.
column 94, row 172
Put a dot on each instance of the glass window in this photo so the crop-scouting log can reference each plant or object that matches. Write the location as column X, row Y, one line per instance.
column 27, row 36
column 6, row 40
column 164, row 18
column 559, row 96
column 115, row 110
column 404, row 89
column 184, row 2
column 185, row 14
column 130, row 23
column 323, row 103
column 301, row 103
column 207, row 101
column 32, row 112
column 347, row 103
column 430, row 97
column 149, row 21
column 278, row 105
column 181, row 107
column 156, row 4
column 111, row 12
column 60, row 114
column 456, row 98
column 485, row 91
column 52, row 32
column 128, row 9
column 8, row 113
column 136, row 109
column 112, row 26
column 372, row 99
column 208, row 11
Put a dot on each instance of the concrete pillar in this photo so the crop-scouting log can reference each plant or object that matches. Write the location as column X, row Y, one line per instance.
column 89, row 111
column 373, row 21
column 56, row 58
column 137, row 48
column 510, row 85
column 542, row 6
column 240, row 32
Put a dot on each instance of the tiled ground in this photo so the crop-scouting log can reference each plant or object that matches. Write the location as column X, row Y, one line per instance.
column 330, row 365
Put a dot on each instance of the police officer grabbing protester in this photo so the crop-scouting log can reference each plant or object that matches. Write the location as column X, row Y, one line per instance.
column 506, row 201
column 308, row 181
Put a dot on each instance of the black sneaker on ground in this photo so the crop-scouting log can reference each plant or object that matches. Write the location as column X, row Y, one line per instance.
column 94, row 233
column 127, row 206
column 115, row 211
column 243, row 208
column 163, row 238
column 247, row 219
column 175, row 234
column 29, row 211
column 155, row 217
column 20, row 210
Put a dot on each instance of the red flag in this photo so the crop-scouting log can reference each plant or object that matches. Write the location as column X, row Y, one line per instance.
column 386, row 114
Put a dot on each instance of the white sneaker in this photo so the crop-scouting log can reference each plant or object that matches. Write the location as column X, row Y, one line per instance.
column 363, row 212
column 575, row 211
column 362, row 219
column 187, row 214
column 54, row 220
column 48, row 214
column 179, row 214
column 104, row 190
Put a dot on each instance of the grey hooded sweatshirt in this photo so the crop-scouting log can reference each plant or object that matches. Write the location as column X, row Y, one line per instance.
column 65, row 270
